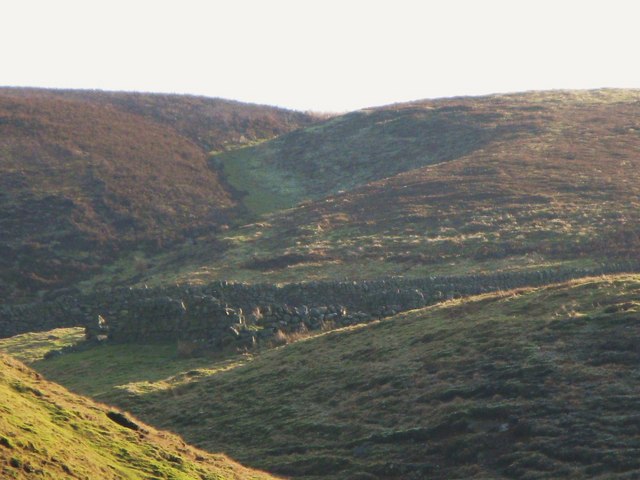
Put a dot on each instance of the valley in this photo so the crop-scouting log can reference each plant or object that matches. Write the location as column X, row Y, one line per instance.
column 435, row 289
column 542, row 182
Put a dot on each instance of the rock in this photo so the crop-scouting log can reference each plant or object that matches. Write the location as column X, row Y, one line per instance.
column 122, row 420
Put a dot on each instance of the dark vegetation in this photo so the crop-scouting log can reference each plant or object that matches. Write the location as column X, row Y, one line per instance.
column 122, row 420
column 86, row 176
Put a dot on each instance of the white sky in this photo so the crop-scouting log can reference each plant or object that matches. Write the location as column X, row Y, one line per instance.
column 322, row 55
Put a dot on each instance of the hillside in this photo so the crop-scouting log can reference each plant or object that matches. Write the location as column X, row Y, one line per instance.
column 99, row 189
column 439, row 187
column 215, row 124
column 537, row 383
column 474, row 184
column 84, row 175
column 351, row 150
column 47, row 432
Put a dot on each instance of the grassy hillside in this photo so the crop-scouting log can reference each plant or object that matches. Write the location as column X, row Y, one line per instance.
column 47, row 432
column 86, row 174
column 489, row 183
column 449, row 186
column 354, row 149
column 533, row 384
column 528, row 384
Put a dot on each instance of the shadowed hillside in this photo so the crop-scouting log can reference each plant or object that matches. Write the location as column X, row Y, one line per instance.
column 46, row 432
column 84, row 175
column 512, row 182
column 538, row 383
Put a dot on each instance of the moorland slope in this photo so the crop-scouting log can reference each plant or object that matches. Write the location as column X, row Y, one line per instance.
column 504, row 182
column 87, row 175
column 47, row 432
column 536, row 383
column 215, row 124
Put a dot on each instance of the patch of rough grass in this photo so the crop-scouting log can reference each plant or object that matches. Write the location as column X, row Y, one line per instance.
column 263, row 190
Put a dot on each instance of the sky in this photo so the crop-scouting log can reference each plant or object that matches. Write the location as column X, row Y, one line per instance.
column 327, row 56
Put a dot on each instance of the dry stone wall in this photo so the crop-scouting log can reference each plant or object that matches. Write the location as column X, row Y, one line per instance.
column 41, row 316
column 221, row 314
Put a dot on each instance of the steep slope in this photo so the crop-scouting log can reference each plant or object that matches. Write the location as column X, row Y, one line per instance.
column 519, row 181
column 85, row 174
column 46, row 432
column 532, row 384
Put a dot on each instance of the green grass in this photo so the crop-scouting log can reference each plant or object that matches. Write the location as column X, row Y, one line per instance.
column 119, row 366
column 31, row 347
column 477, row 184
column 351, row 150
column 263, row 190
column 46, row 432
column 127, row 366
column 538, row 383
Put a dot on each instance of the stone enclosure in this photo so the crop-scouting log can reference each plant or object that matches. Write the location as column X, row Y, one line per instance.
column 222, row 314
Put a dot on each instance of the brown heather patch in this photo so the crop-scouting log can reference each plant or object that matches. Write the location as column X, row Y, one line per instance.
column 86, row 174
column 214, row 124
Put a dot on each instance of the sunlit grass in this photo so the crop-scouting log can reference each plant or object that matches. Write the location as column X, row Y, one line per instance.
column 46, row 432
